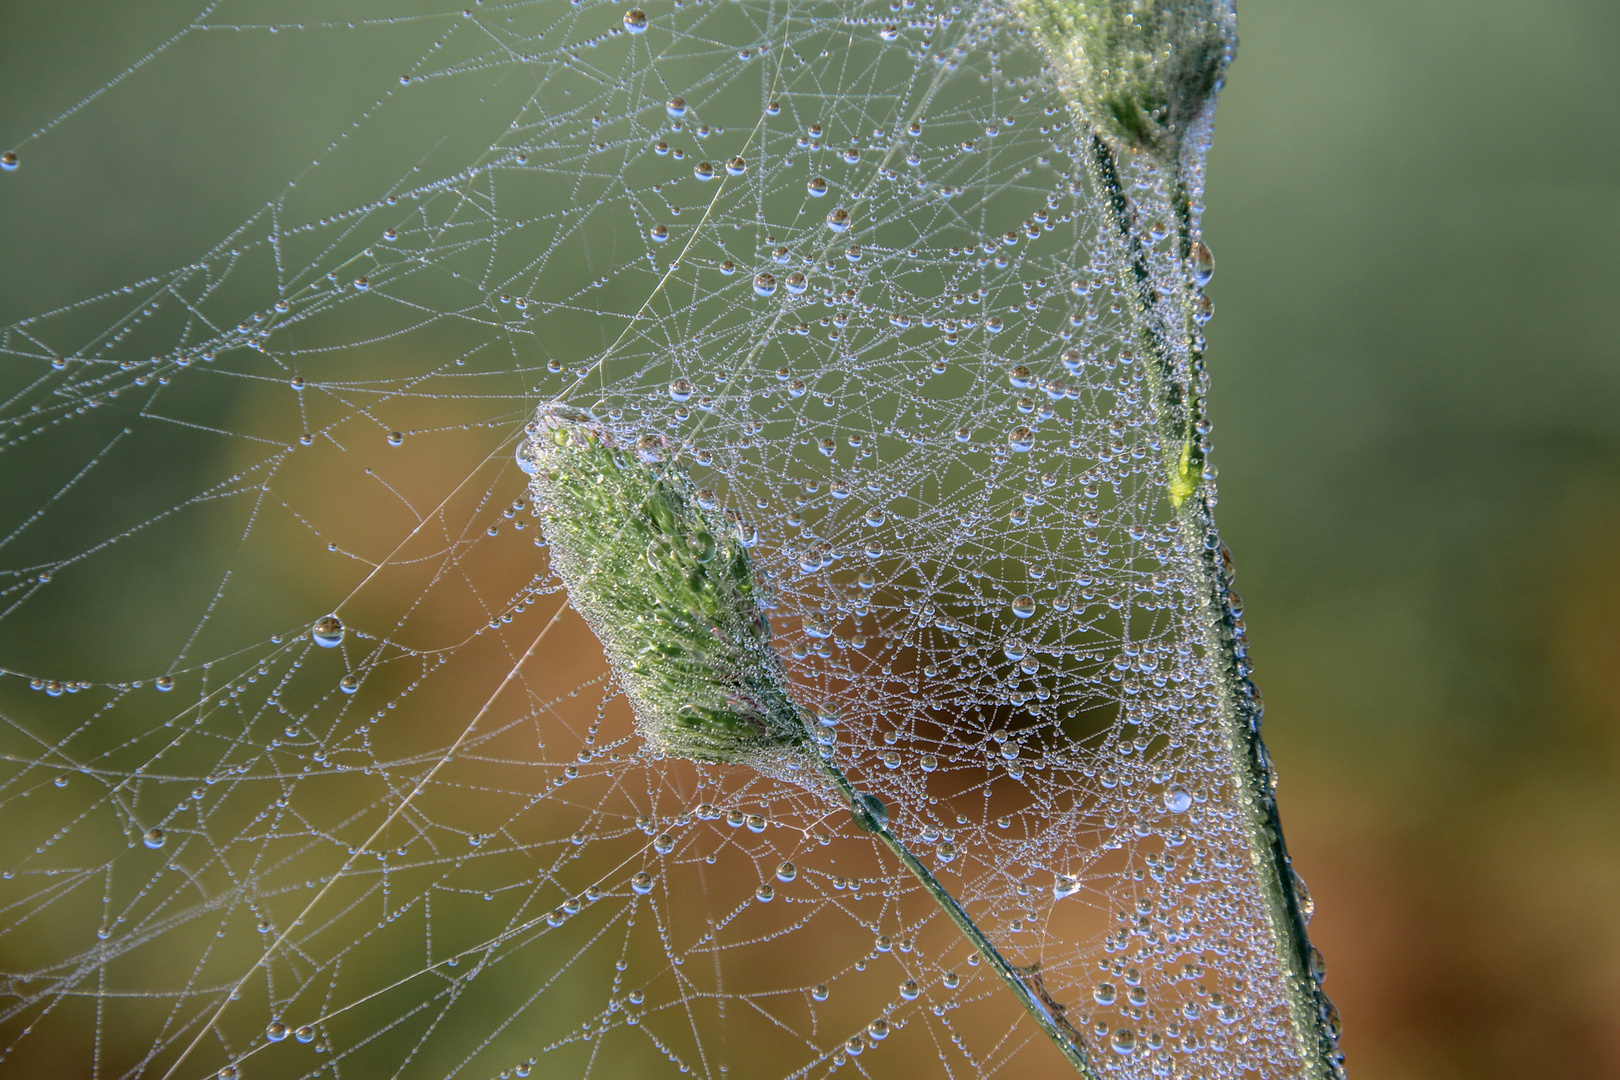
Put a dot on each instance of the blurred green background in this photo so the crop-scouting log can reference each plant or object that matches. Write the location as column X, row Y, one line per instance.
column 1416, row 213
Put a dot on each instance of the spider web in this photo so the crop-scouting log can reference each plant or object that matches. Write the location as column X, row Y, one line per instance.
column 852, row 262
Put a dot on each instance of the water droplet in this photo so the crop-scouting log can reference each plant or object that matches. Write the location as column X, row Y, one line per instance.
column 641, row 883
column 878, row 1030
column 1176, row 799
column 348, row 684
column 1019, row 376
column 664, row 844
column 1203, row 264
column 1021, row 439
column 527, row 457
column 680, row 389
column 736, row 166
column 163, row 682
column 796, row 387
column 8, row 160
column 756, row 823
column 838, row 220
column 327, row 632
column 153, row 838
column 796, row 283
column 304, row 1033
column 1023, row 606
column 765, row 284
column 866, row 580
column 909, row 990
column 817, row 187
column 945, row 852
column 635, row 21
column 1124, row 1041
column 786, row 872
column 1302, row 897
column 229, row 1072
column 765, row 894
column 676, row 107
column 1331, row 1018
column 1065, row 886
column 703, row 171
column 875, row 517
column 870, row 813
column 395, row 438
column 702, row 545
column 276, row 1031
column 650, row 448
column 819, row 992
column 659, row 233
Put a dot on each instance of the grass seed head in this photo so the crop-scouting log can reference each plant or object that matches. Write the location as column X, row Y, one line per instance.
column 1141, row 71
column 668, row 588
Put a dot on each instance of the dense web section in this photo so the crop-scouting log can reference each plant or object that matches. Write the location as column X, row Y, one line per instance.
column 345, row 787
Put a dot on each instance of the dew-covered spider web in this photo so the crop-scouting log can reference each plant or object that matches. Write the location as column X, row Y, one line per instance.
column 308, row 768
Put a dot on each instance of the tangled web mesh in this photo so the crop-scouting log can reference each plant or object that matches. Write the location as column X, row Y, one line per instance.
column 851, row 263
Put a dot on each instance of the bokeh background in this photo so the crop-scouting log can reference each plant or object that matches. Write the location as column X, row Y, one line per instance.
column 1416, row 212
column 1415, row 207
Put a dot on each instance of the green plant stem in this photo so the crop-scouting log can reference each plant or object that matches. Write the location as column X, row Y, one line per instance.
column 1056, row 1028
column 1179, row 408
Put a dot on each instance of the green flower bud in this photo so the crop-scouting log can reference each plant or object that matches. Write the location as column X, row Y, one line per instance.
column 1141, row 71
column 669, row 590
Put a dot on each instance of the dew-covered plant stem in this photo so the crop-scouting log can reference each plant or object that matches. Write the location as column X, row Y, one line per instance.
column 669, row 588
column 1179, row 406
column 1142, row 77
column 871, row 817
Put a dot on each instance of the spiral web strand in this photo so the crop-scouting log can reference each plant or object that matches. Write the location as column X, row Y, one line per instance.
column 851, row 265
